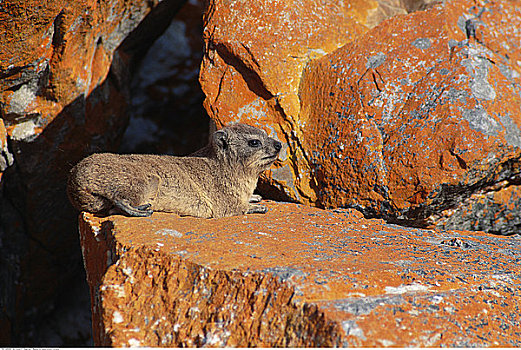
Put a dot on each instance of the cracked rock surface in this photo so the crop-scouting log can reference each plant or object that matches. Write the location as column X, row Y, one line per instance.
column 298, row 276
column 415, row 119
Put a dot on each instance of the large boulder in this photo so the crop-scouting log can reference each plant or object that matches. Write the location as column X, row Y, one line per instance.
column 422, row 120
column 64, row 72
column 298, row 276
column 255, row 53
column 413, row 118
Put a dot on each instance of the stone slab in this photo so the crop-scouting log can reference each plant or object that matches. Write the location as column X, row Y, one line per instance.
column 298, row 276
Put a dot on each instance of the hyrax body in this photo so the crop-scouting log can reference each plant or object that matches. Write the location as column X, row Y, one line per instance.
column 216, row 181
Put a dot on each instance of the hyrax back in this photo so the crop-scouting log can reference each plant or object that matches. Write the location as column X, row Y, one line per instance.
column 216, row 181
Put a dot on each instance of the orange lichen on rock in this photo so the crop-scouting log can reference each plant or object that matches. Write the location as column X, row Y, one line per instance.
column 255, row 53
column 406, row 117
column 55, row 53
column 414, row 109
column 298, row 276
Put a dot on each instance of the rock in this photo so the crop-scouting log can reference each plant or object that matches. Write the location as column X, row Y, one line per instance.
column 298, row 276
column 6, row 158
column 416, row 123
column 254, row 56
column 390, row 8
column 405, row 121
column 495, row 210
column 64, row 72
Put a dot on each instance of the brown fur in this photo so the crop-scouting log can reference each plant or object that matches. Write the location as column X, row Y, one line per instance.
column 216, row 181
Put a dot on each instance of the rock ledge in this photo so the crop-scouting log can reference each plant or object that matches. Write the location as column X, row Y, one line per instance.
column 298, row 276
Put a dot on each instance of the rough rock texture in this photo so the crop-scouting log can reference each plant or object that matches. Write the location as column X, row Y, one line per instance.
column 416, row 120
column 63, row 95
column 298, row 276
column 255, row 53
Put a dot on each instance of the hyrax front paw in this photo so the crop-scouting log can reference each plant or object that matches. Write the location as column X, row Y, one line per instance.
column 141, row 210
column 255, row 198
column 144, row 207
column 257, row 209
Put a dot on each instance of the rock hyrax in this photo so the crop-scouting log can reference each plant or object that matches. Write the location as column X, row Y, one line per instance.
column 216, row 181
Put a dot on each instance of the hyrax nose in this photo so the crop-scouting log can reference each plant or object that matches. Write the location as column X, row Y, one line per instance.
column 277, row 145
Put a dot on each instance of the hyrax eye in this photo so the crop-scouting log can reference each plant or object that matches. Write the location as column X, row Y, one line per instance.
column 254, row 143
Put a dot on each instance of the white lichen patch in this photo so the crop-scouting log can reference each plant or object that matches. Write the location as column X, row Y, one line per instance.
column 181, row 253
column 430, row 341
column 158, row 322
column 167, row 338
column 133, row 342
column 255, row 110
column 96, row 229
column 262, row 233
column 24, row 130
column 169, row 232
column 22, row 98
column 449, row 309
column 116, row 317
column 415, row 287
column 386, row 343
column 437, row 299
column 216, row 338
column 414, row 312
column 129, row 273
column 119, row 291
column 351, row 328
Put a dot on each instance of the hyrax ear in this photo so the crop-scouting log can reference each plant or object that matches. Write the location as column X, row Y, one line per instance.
column 220, row 137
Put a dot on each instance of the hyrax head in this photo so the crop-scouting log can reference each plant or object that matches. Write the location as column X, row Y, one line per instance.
column 247, row 146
